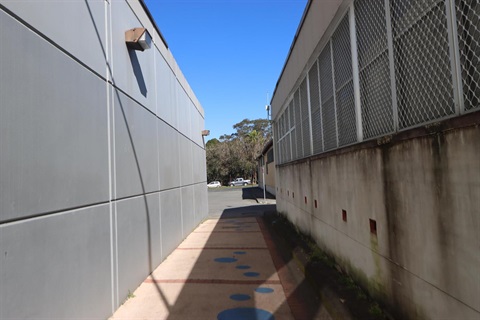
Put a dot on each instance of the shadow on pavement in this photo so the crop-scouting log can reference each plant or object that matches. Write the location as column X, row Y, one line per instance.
column 230, row 267
column 236, row 262
column 248, row 211
column 254, row 193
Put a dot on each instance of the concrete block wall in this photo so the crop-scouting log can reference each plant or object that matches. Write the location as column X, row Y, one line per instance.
column 102, row 162
column 422, row 259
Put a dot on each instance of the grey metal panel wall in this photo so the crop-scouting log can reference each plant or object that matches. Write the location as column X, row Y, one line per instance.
column 165, row 99
column 86, row 124
column 199, row 164
column 199, row 126
column 53, row 142
column 76, row 26
column 44, row 264
column 138, row 240
column 168, row 151
column 186, row 156
column 188, row 210
column 133, row 71
column 170, row 204
column 183, row 111
column 136, row 157
column 201, row 211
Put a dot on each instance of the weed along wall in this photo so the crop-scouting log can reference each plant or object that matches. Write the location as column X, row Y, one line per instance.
column 102, row 160
column 377, row 141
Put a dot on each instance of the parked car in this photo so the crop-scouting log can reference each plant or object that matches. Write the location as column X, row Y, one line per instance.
column 239, row 182
column 214, row 184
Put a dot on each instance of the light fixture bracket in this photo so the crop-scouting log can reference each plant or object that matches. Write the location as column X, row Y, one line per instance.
column 138, row 39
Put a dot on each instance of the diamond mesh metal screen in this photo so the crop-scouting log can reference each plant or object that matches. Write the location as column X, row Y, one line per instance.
column 288, row 154
column 329, row 125
column 298, row 125
column 282, row 126
column 375, row 80
column 276, row 138
column 468, row 29
column 346, row 122
column 422, row 62
column 345, row 103
column 305, row 118
column 294, row 144
column 315, row 109
column 287, row 119
column 282, row 150
column 291, row 115
column 279, row 143
column 418, row 62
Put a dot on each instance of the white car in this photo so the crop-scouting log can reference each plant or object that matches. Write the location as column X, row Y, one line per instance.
column 214, row 184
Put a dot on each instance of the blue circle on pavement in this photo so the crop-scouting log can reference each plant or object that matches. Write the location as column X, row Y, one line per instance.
column 251, row 274
column 245, row 314
column 225, row 260
column 264, row 290
column 243, row 267
column 240, row 297
column 239, row 252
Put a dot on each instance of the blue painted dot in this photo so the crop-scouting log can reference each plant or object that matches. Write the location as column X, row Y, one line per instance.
column 264, row 290
column 240, row 297
column 225, row 260
column 251, row 274
column 245, row 314
column 243, row 267
column 239, row 252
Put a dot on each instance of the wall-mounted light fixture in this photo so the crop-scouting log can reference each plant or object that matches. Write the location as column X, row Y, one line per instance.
column 138, row 39
column 205, row 133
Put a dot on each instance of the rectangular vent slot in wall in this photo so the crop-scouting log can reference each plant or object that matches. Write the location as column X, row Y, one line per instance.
column 373, row 227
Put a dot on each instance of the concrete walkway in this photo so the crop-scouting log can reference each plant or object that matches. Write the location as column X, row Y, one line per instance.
column 226, row 269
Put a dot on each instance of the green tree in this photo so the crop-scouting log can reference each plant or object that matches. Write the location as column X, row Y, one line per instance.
column 234, row 155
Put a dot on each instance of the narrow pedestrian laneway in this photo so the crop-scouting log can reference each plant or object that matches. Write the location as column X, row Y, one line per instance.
column 226, row 269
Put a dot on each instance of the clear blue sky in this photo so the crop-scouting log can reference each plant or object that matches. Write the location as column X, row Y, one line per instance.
column 230, row 51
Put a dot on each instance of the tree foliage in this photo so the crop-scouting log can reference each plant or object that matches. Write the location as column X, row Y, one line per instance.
column 234, row 155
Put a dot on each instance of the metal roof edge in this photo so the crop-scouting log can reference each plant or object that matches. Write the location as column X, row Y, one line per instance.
column 294, row 41
column 152, row 20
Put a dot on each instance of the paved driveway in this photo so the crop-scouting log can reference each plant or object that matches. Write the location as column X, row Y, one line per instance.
column 226, row 269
